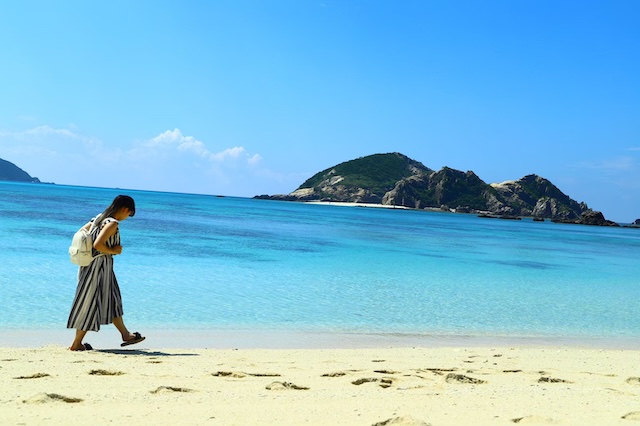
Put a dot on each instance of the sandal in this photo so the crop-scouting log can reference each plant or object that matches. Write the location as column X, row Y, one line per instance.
column 137, row 338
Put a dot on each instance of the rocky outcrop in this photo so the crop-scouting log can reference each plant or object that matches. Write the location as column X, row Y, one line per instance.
column 595, row 218
column 11, row 172
column 535, row 196
column 588, row 218
column 406, row 193
column 394, row 179
column 447, row 189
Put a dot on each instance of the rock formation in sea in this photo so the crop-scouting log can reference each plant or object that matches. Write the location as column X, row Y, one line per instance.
column 588, row 218
column 11, row 172
column 397, row 180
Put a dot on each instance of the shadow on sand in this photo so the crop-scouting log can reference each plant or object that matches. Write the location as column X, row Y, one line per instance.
column 140, row 352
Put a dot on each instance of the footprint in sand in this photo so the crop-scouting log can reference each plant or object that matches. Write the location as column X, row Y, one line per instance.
column 461, row 378
column 34, row 376
column 552, row 380
column 43, row 398
column 633, row 380
column 384, row 383
column 339, row 373
column 438, row 371
column 240, row 374
column 105, row 373
column 234, row 374
column 335, row 374
column 401, row 421
column 534, row 420
column 168, row 389
column 386, row 371
column 284, row 386
column 634, row 416
column 264, row 374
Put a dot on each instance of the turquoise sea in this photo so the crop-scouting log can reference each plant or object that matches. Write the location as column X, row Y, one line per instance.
column 219, row 264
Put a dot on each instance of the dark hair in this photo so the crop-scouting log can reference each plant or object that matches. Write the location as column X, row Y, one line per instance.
column 118, row 202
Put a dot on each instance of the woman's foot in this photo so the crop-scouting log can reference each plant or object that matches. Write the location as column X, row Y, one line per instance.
column 133, row 339
column 81, row 347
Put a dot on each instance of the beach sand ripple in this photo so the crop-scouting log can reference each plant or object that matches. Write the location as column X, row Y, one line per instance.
column 413, row 386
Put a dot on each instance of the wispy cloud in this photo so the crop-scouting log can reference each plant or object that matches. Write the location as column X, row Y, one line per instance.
column 622, row 163
column 43, row 131
column 49, row 141
column 168, row 161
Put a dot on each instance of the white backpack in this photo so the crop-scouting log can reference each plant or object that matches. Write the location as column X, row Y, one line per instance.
column 81, row 249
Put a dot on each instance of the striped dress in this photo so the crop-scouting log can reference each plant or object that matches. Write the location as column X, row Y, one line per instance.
column 98, row 300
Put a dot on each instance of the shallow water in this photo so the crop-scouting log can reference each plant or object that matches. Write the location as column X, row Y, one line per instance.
column 204, row 262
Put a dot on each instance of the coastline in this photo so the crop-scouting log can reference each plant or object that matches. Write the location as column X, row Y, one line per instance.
column 492, row 385
column 206, row 338
column 352, row 204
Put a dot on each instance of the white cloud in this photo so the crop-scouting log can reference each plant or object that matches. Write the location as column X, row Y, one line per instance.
column 193, row 145
column 234, row 152
column 255, row 159
column 189, row 144
column 169, row 161
column 166, row 138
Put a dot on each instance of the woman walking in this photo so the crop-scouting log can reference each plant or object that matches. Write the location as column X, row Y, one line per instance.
column 98, row 300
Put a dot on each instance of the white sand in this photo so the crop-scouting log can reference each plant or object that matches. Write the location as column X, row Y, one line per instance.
column 413, row 386
column 350, row 204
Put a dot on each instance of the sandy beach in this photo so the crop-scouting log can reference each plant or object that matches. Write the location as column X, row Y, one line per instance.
column 364, row 386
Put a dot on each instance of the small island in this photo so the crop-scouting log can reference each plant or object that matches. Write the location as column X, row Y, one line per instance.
column 395, row 180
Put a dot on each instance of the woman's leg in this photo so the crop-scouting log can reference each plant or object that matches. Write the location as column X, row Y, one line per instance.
column 77, row 344
column 119, row 323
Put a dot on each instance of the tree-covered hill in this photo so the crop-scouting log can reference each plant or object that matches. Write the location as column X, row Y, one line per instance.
column 11, row 172
column 396, row 180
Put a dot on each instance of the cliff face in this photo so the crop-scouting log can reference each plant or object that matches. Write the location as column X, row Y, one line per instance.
column 11, row 172
column 395, row 179
column 447, row 188
column 535, row 196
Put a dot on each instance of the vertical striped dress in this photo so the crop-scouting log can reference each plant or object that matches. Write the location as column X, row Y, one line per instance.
column 97, row 300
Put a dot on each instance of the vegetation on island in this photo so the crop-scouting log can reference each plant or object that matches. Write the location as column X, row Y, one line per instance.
column 397, row 180
column 11, row 172
column 377, row 173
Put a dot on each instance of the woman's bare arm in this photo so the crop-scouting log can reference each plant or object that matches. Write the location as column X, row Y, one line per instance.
column 104, row 235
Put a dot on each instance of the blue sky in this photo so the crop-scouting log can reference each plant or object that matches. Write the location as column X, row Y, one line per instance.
column 253, row 97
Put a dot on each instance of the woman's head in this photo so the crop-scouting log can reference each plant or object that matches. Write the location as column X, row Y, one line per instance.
column 124, row 201
column 120, row 204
